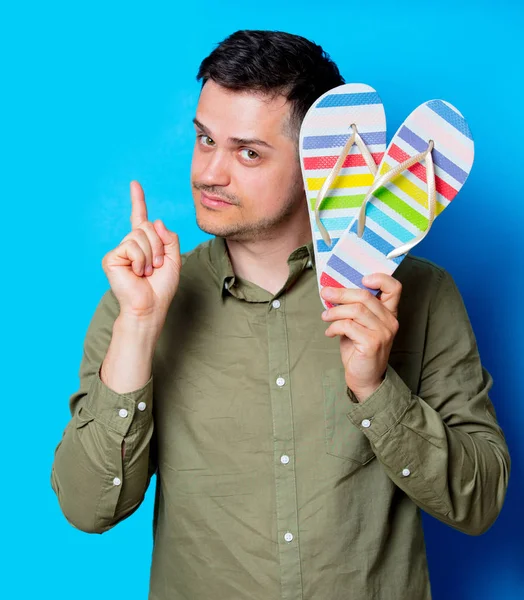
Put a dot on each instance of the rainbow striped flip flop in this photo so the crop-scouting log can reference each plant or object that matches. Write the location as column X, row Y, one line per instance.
column 342, row 141
column 405, row 198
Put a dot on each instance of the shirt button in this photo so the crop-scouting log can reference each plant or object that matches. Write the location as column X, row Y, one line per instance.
column 284, row 459
column 309, row 264
column 288, row 537
column 281, row 381
column 141, row 406
column 366, row 423
column 122, row 412
column 116, row 481
column 406, row 472
column 276, row 303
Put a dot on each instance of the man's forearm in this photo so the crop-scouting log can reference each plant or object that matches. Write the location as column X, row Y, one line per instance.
column 127, row 365
column 111, row 424
column 458, row 472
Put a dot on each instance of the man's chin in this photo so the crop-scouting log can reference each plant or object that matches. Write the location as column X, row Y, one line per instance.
column 231, row 232
column 213, row 228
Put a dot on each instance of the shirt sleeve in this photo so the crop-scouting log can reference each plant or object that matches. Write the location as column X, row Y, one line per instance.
column 443, row 447
column 103, row 464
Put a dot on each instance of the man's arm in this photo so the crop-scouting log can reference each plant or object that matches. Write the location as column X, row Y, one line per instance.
column 103, row 464
column 443, row 447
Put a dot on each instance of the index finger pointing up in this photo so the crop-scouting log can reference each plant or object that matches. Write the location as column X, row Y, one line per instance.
column 138, row 205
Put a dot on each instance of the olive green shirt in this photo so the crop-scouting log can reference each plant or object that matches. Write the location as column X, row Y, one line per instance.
column 273, row 482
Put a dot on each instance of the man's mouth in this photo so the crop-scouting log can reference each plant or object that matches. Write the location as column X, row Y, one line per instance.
column 213, row 201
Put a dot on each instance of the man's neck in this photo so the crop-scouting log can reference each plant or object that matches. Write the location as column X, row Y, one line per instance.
column 264, row 262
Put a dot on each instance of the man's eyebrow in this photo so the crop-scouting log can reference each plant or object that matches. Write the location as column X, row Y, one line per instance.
column 235, row 140
column 202, row 127
column 249, row 142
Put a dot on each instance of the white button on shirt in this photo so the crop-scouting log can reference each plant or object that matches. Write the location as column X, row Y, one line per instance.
column 276, row 303
column 122, row 412
column 141, row 406
column 281, row 381
column 288, row 536
column 284, row 459
column 406, row 472
column 366, row 423
column 116, row 481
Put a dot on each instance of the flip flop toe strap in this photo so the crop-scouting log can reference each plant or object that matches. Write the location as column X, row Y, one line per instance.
column 426, row 156
column 354, row 138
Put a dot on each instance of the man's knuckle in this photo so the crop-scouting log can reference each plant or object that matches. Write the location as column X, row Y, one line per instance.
column 375, row 345
column 147, row 226
column 140, row 232
column 359, row 309
column 364, row 295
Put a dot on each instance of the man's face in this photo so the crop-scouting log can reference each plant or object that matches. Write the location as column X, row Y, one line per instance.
column 245, row 174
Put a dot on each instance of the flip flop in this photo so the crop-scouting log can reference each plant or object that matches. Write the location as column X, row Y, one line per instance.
column 405, row 198
column 342, row 141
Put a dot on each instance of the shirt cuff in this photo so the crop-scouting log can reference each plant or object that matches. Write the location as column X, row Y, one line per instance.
column 384, row 408
column 120, row 412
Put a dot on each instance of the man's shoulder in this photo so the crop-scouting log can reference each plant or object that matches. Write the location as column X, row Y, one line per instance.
column 415, row 270
column 198, row 254
column 423, row 283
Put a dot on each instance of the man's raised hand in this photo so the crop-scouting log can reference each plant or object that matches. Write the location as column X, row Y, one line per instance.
column 144, row 269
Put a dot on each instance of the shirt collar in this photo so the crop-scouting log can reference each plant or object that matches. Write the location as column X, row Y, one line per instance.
column 300, row 259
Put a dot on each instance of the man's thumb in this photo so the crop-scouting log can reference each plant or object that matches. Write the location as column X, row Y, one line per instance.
column 169, row 239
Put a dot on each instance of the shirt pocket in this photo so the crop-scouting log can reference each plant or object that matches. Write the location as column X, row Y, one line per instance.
column 343, row 439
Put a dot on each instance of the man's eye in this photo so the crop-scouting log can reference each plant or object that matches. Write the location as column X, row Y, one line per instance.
column 205, row 140
column 249, row 154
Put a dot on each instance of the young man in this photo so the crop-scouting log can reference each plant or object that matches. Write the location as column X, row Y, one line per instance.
column 293, row 449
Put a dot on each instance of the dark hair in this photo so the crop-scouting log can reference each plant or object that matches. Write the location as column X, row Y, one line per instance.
column 273, row 62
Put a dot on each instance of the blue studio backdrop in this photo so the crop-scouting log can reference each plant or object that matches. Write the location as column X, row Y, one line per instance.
column 97, row 94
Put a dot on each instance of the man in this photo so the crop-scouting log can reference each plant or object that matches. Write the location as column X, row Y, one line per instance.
column 293, row 449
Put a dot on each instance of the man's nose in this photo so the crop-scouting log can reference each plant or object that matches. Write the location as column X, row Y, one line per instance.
column 216, row 169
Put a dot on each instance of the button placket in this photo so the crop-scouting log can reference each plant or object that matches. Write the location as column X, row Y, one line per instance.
column 283, row 448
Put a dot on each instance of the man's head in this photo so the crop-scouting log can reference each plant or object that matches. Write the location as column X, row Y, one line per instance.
column 256, row 88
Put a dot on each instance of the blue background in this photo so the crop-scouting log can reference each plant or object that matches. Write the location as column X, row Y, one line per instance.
column 97, row 94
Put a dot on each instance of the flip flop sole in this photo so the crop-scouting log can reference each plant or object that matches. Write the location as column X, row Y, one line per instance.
column 323, row 135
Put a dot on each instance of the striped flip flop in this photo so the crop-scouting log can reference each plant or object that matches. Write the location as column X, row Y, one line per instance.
column 405, row 198
column 342, row 141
